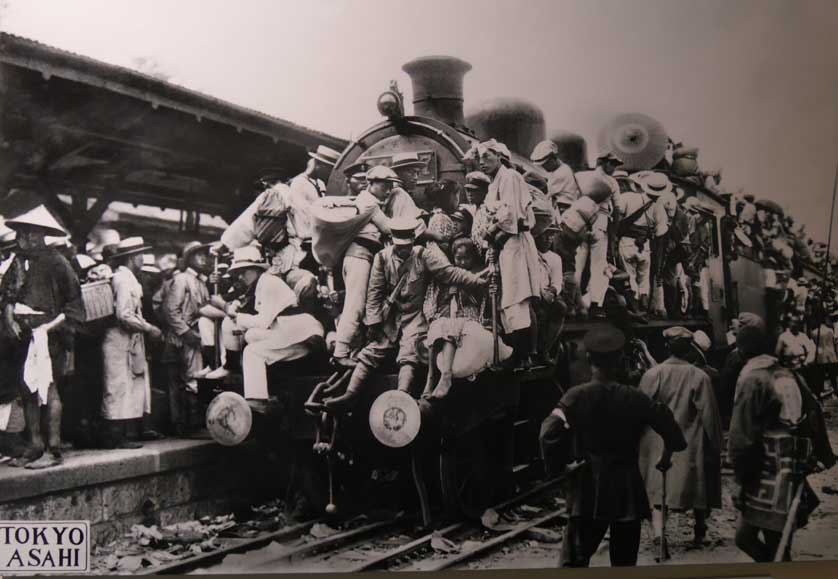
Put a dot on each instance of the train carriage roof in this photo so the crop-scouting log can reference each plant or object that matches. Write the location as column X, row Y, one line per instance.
column 74, row 125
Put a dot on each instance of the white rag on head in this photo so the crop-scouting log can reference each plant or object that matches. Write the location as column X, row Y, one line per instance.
column 37, row 370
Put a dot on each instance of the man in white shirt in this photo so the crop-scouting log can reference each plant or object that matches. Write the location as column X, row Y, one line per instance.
column 640, row 220
column 794, row 348
column 305, row 188
column 594, row 252
column 560, row 179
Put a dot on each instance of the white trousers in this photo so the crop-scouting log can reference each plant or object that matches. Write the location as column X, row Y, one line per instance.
column 637, row 264
column 596, row 252
column 356, row 277
column 255, row 365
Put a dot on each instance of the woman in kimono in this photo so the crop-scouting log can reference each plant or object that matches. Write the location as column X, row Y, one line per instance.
column 127, row 390
column 520, row 269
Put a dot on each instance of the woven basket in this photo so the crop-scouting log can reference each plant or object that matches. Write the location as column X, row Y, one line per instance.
column 97, row 297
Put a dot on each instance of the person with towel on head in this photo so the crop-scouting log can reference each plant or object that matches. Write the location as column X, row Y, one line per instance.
column 394, row 310
column 596, row 430
column 695, row 479
column 40, row 280
column 509, row 235
column 386, row 202
column 777, row 437
column 127, row 386
column 560, row 179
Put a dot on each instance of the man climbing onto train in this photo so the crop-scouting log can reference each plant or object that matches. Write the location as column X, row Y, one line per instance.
column 640, row 222
column 695, row 479
column 777, row 438
column 383, row 201
column 394, row 318
column 603, row 487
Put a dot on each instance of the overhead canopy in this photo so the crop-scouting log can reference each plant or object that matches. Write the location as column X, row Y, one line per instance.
column 75, row 126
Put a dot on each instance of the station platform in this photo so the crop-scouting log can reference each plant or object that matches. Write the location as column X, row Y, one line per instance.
column 166, row 481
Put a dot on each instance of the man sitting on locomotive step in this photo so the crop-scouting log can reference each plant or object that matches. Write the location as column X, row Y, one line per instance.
column 386, row 202
column 398, row 283
column 274, row 328
column 551, row 308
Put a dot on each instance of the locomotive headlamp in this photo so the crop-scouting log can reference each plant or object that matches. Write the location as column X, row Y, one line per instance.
column 390, row 103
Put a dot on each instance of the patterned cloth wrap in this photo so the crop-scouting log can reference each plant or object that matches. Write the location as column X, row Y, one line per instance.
column 788, row 459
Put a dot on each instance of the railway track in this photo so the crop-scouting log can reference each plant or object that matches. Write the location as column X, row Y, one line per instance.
column 396, row 544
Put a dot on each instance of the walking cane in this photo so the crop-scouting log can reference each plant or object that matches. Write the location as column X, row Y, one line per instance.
column 216, row 323
column 493, row 295
column 791, row 523
column 664, row 514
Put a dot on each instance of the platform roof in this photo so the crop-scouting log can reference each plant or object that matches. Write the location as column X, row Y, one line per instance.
column 76, row 126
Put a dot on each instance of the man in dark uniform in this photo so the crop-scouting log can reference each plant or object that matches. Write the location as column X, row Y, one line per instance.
column 606, row 492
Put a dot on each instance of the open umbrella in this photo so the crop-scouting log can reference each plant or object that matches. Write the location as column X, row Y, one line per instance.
column 770, row 206
column 637, row 139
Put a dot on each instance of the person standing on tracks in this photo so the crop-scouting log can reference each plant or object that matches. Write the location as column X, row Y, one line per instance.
column 777, row 437
column 795, row 349
column 606, row 492
column 398, row 284
column 40, row 279
column 127, row 384
column 560, row 179
column 641, row 222
column 386, row 202
column 510, row 201
column 695, row 479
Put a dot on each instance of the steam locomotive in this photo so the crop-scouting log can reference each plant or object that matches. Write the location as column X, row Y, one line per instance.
column 482, row 441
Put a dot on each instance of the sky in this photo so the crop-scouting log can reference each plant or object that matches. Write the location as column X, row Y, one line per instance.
column 752, row 83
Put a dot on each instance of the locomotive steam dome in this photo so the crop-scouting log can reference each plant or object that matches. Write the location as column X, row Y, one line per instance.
column 573, row 149
column 514, row 122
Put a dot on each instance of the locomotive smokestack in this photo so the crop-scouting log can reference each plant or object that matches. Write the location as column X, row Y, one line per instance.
column 438, row 87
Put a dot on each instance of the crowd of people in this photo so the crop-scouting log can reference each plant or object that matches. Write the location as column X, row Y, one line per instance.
column 458, row 279
column 664, row 448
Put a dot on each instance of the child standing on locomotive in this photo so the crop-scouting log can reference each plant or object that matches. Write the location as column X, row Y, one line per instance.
column 398, row 283
column 510, row 200
column 386, row 202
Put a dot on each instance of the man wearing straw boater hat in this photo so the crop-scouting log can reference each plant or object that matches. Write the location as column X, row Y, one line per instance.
column 127, row 387
column 273, row 326
column 640, row 223
column 185, row 300
column 304, row 189
column 42, row 283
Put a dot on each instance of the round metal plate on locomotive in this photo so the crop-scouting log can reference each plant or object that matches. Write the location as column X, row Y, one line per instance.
column 395, row 419
column 229, row 419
